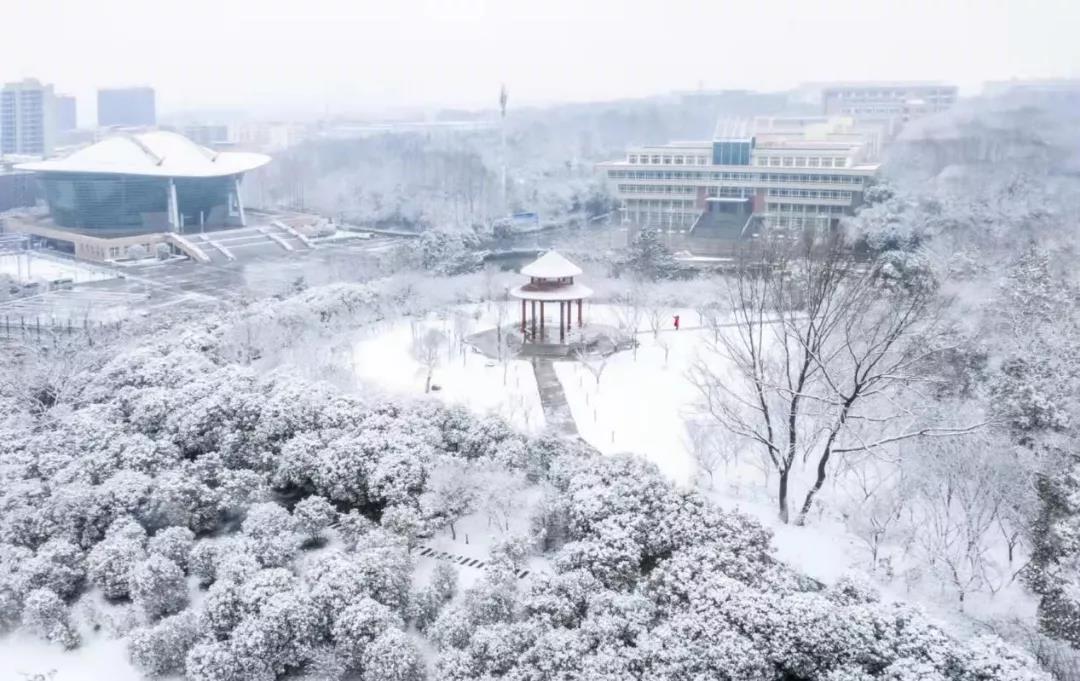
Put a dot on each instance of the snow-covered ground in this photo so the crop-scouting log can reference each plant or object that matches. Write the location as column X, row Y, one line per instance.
column 25, row 657
column 641, row 406
column 384, row 358
column 39, row 267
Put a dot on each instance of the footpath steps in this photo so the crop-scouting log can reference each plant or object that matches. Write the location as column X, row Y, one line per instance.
column 465, row 561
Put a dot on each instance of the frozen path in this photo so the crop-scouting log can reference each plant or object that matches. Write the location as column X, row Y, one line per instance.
column 552, row 398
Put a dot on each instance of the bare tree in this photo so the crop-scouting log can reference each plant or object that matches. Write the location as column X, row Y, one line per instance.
column 962, row 487
column 704, row 446
column 820, row 349
column 426, row 349
column 629, row 306
column 656, row 313
column 594, row 362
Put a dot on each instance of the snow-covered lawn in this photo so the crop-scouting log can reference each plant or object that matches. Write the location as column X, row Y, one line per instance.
column 384, row 358
column 31, row 267
column 641, row 407
column 25, row 657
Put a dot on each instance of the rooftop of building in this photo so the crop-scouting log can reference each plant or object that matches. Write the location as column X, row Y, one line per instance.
column 156, row 153
column 551, row 265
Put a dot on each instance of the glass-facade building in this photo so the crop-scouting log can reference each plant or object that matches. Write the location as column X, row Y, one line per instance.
column 732, row 152
column 134, row 203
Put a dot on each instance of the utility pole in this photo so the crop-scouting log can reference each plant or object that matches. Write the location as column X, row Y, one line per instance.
column 503, row 96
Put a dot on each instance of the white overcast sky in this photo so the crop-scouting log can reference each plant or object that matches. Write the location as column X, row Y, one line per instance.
column 278, row 57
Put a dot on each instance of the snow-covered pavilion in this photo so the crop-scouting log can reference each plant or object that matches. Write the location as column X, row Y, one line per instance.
column 551, row 280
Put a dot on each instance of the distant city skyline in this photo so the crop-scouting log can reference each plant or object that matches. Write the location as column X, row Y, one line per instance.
column 279, row 58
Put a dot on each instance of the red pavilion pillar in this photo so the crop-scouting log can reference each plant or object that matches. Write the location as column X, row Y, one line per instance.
column 541, row 320
column 579, row 313
column 523, row 318
column 562, row 321
column 533, row 307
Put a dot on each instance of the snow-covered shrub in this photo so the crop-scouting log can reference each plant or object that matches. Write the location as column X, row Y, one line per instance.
column 312, row 516
column 202, row 561
column 392, row 656
column 158, row 587
column 358, row 625
column 273, row 534
column 429, row 602
column 160, row 649
column 219, row 661
column 45, row 614
column 59, row 566
column 174, row 543
column 110, row 562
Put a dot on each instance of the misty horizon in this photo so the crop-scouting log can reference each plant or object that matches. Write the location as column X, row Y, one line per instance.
column 337, row 59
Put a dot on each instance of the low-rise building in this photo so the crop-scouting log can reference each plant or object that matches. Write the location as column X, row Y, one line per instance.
column 767, row 169
column 898, row 102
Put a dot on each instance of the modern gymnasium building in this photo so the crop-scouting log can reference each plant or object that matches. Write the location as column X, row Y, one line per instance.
column 142, row 188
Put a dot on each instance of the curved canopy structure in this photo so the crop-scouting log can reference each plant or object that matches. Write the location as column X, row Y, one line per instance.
column 157, row 153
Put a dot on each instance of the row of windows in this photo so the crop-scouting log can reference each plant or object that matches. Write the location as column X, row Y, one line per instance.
column 659, row 203
column 656, row 189
column 810, row 193
column 732, row 192
column 766, row 178
column 889, row 94
column 802, row 161
column 802, row 208
column 667, row 160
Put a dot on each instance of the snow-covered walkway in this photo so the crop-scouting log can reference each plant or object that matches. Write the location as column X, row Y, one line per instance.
column 553, row 399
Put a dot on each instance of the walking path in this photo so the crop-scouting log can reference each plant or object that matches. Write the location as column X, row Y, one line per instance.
column 429, row 552
column 553, row 399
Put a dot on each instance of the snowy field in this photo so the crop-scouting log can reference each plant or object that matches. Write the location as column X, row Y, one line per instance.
column 385, row 358
column 28, row 658
column 641, row 406
column 27, row 268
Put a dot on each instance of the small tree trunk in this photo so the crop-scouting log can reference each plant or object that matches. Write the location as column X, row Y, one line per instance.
column 809, row 501
column 783, row 495
column 427, row 383
column 453, row 532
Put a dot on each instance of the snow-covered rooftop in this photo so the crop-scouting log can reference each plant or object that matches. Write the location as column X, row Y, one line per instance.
column 156, row 153
column 551, row 265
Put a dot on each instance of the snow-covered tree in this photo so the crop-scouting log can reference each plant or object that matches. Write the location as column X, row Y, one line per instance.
column 357, row 627
column 47, row 616
column 160, row 649
column 273, row 534
column 392, row 656
column 312, row 516
column 173, row 543
column 158, row 587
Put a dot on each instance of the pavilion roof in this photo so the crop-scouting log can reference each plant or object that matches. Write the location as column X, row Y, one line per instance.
column 551, row 265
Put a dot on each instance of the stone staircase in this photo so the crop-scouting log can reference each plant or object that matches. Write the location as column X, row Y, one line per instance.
column 230, row 245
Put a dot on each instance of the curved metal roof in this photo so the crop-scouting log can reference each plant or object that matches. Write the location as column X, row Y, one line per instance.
column 157, row 153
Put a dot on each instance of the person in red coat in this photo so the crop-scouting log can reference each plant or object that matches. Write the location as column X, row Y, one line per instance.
column 676, row 322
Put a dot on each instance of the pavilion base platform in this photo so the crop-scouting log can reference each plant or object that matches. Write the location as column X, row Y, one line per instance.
column 591, row 339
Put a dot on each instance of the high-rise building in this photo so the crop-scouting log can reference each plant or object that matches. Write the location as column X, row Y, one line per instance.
column 27, row 118
column 132, row 106
column 784, row 172
column 66, row 113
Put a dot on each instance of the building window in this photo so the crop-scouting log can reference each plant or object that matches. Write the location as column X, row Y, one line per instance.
column 788, row 162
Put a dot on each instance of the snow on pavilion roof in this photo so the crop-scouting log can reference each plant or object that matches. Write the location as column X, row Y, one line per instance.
column 551, row 265
column 157, row 153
